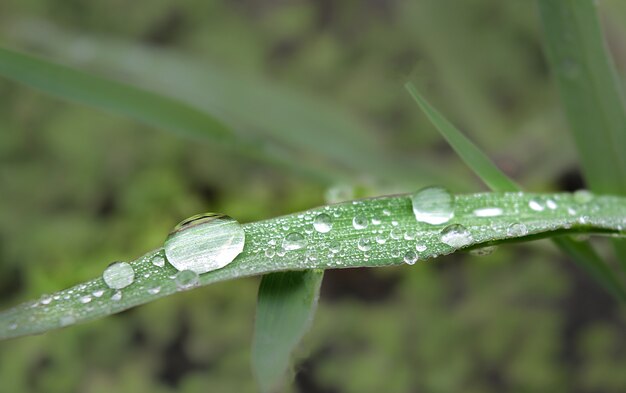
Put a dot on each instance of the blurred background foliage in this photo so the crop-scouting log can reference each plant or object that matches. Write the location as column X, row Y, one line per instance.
column 81, row 188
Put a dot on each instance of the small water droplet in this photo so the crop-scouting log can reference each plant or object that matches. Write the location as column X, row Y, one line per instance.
column 488, row 212
column 376, row 221
column 408, row 235
column 420, row 247
column 98, row 293
column 85, row 299
column 551, row 204
column 154, row 290
column 456, row 235
column 396, row 233
column 323, row 223
column 410, row 257
column 483, row 251
column 433, row 205
column 46, row 299
column 335, row 246
column 158, row 261
column 270, row 252
column 294, row 241
column 386, row 212
column 571, row 211
column 535, row 204
column 364, row 244
column 359, row 222
column 583, row 196
column 186, row 279
column 517, row 229
column 117, row 296
column 119, row 275
column 380, row 239
column 204, row 243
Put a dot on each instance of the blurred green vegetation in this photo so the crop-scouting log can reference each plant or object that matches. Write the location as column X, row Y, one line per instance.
column 80, row 189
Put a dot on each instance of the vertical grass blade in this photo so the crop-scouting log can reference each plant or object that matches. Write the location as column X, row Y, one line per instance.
column 582, row 253
column 286, row 305
column 591, row 94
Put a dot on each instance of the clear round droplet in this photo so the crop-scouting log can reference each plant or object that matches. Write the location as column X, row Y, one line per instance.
column 119, row 275
column 334, row 246
column 270, row 252
column 376, row 221
column 396, row 233
column 98, row 293
column 456, row 235
column 154, row 290
column 488, row 212
column 85, row 299
column 420, row 247
column 583, row 196
column 410, row 257
column 359, row 222
column 294, row 241
column 551, row 204
column 46, row 299
column 117, row 296
column 186, row 279
column 158, row 260
column 204, row 243
column 433, row 205
column 323, row 223
column 517, row 229
column 364, row 244
column 535, row 204
column 380, row 239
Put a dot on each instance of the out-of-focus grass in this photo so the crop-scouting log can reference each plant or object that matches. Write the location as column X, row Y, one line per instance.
column 83, row 200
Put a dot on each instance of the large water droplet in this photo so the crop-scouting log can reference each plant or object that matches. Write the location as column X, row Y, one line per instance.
column 456, row 236
column 158, row 261
column 119, row 275
column 359, row 222
column 186, row 279
column 205, row 242
column 433, row 205
column 323, row 223
column 294, row 241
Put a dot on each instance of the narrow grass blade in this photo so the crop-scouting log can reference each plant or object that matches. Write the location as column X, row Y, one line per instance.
column 285, row 309
column 510, row 218
column 469, row 153
column 142, row 105
column 590, row 90
column 583, row 254
column 591, row 93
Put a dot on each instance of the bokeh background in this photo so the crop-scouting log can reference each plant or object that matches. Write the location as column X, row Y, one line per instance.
column 80, row 188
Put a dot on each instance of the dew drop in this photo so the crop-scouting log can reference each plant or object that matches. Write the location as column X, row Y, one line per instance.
column 294, row 241
column 410, row 257
column 456, row 235
column 380, row 239
column 158, row 261
column 204, row 242
column 119, row 275
column 386, row 212
column 420, row 247
column 186, row 279
column 117, row 296
column 154, row 290
column 364, row 244
column 433, row 205
column 270, row 252
column 551, row 204
column 517, row 229
column 535, row 205
column 396, row 233
column 583, row 196
column 359, row 222
column 488, row 212
column 98, row 293
column 46, row 299
column 323, row 223
column 85, row 299
column 376, row 221
column 334, row 246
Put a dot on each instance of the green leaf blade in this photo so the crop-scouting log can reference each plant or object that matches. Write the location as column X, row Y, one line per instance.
column 285, row 309
column 338, row 248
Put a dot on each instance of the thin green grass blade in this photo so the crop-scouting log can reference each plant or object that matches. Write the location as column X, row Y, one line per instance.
column 583, row 254
column 591, row 93
column 285, row 309
column 399, row 237
column 469, row 153
column 142, row 105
